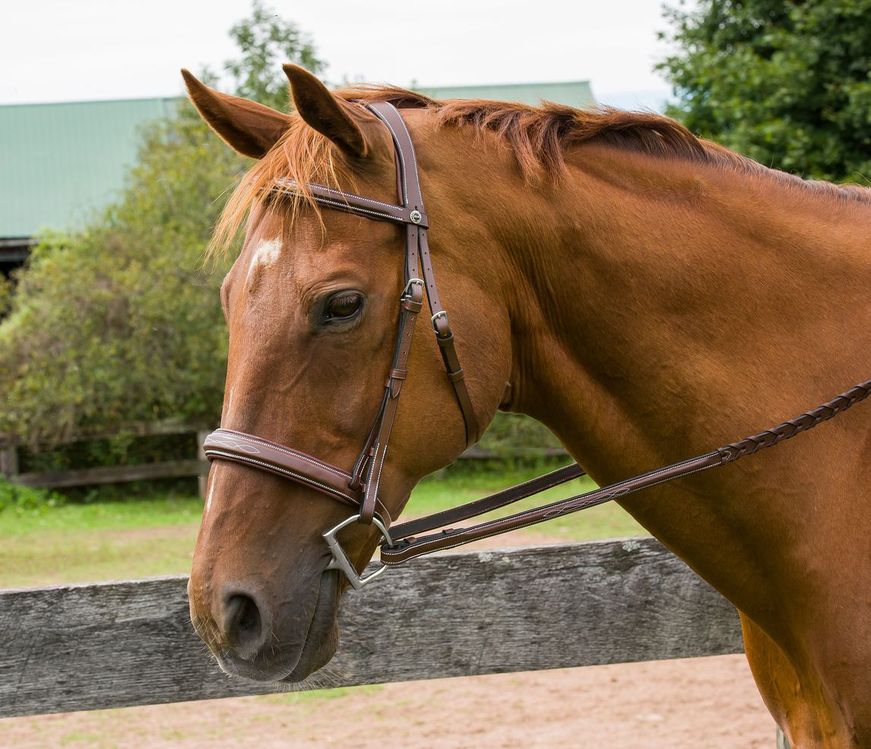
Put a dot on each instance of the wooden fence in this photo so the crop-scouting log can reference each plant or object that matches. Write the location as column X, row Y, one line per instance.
column 131, row 643
column 195, row 465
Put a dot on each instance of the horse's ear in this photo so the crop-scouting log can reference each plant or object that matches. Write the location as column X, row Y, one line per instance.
column 248, row 127
column 324, row 112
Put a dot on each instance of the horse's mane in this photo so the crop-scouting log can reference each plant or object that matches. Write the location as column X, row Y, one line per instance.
column 538, row 136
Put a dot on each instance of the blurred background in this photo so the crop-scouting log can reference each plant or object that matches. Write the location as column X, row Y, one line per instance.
column 112, row 342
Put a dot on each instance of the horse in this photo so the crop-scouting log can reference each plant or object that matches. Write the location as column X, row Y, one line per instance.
column 644, row 293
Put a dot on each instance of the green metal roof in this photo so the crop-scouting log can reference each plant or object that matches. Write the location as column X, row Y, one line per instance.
column 573, row 93
column 61, row 162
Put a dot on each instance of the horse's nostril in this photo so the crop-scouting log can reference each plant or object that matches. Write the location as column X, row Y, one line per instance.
column 243, row 625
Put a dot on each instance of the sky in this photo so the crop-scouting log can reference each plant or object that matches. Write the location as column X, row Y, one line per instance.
column 69, row 50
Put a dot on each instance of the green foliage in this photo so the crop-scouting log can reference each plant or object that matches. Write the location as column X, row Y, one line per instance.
column 120, row 322
column 123, row 448
column 266, row 41
column 786, row 83
column 509, row 432
column 24, row 500
column 5, row 296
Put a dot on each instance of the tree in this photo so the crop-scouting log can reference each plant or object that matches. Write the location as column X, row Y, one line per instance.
column 787, row 83
column 265, row 41
column 120, row 322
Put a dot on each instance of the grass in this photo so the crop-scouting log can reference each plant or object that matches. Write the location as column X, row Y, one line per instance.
column 331, row 693
column 117, row 540
column 99, row 541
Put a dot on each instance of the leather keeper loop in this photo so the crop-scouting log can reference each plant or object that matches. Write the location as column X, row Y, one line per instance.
column 395, row 380
column 457, row 375
column 411, row 305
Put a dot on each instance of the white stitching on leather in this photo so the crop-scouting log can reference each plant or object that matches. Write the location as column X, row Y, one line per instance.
column 357, row 209
column 271, row 467
column 287, row 182
column 349, row 208
column 399, row 155
column 290, row 451
column 413, row 158
column 381, row 467
column 302, row 477
column 565, row 505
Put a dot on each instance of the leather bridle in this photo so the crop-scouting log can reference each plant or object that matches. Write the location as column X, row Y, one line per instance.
column 358, row 488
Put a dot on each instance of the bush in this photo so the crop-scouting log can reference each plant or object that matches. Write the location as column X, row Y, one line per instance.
column 509, row 433
column 24, row 499
column 120, row 322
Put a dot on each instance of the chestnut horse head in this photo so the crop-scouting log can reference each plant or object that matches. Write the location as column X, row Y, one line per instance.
column 312, row 304
column 646, row 294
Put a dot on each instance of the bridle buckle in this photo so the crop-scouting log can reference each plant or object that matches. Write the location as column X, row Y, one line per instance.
column 413, row 290
column 340, row 561
column 441, row 325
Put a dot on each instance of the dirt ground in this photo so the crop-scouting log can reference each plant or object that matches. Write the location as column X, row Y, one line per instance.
column 687, row 704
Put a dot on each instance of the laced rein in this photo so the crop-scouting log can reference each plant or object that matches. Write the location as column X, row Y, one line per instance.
column 405, row 545
column 359, row 488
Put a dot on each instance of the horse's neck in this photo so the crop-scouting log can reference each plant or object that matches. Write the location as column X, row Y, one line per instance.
column 667, row 308
column 659, row 294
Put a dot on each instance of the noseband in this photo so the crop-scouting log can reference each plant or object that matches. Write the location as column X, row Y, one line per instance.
column 359, row 487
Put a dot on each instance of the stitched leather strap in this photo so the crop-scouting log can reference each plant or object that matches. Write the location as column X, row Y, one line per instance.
column 360, row 488
column 411, row 307
column 409, row 188
column 488, row 504
column 406, row 546
column 256, row 452
column 351, row 203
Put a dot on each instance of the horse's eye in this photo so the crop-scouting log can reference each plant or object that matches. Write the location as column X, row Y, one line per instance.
column 343, row 306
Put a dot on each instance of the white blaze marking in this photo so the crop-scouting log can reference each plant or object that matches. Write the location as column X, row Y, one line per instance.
column 265, row 254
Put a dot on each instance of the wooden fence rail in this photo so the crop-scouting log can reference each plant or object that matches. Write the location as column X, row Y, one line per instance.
column 131, row 643
column 194, row 465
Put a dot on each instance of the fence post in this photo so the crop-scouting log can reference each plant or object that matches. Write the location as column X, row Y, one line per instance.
column 9, row 461
column 202, row 478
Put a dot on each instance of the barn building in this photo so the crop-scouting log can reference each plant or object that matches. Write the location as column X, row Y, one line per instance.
column 61, row 163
